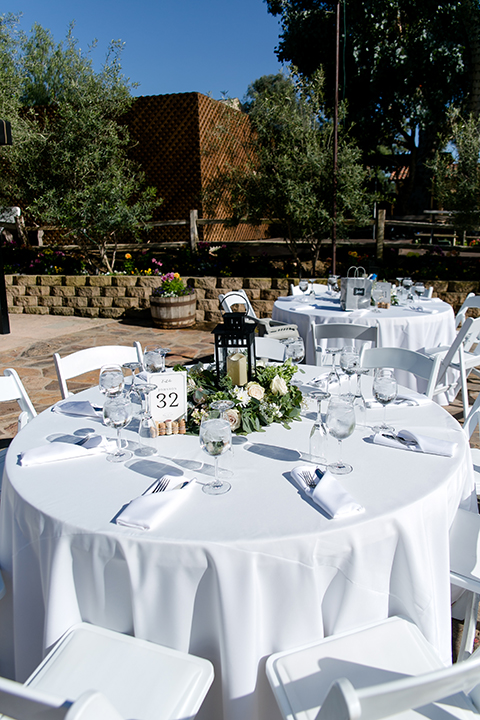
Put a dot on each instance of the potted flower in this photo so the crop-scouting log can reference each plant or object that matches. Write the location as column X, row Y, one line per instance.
column 172, row 303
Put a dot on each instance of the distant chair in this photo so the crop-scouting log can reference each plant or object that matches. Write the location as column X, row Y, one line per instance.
column 11, row 388
column 340, row 332
column 428, row 292
column 469, row 426
column 266, row 326
column 422, row 366
column 98, row 674
column 465, row 571
column 93, row 358
column 472, row 301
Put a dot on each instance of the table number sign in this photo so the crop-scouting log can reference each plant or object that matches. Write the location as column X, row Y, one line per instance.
column 169, row 400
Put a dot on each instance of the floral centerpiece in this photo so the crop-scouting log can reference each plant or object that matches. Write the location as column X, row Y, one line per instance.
column 172, row 285
column 271, row 397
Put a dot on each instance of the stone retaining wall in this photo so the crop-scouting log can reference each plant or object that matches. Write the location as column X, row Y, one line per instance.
column 115, row 296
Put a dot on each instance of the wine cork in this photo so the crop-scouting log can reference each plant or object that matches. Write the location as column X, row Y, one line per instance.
column 182, row 429
column 161, row 428
column 168, row 427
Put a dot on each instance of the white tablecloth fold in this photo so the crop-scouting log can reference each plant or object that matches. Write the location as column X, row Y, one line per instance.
column 334, row 500
column 415, row 442
column 66, row 451
column 81, row 408
column 148, row 511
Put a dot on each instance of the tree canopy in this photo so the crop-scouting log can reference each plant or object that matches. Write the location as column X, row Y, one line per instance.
column 403, row 64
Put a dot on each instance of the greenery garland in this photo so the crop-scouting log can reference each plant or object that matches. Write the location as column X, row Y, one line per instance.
column 270, row 398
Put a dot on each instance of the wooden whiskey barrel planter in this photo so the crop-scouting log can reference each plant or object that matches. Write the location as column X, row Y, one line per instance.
column 171, row 313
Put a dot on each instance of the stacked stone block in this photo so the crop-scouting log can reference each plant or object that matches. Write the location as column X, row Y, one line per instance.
column 115, row 296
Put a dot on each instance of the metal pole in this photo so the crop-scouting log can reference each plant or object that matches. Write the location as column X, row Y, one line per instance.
column 335, row 142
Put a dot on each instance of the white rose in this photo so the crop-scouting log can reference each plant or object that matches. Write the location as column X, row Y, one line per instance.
column 255, row 390
column 278, row 386
column 233, row 417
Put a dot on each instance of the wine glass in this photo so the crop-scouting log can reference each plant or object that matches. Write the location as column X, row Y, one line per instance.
column 333, row 377
column 385, row 392
column 332, row 284
column 318, row 433
column 215, row 438
column 407, row 284
column 147, row 427
column 295, row 349
column 132, row 366
column 340, row 424
column 349, row 361
column 359, row 400
column 117, row 413
column 377, row 295
column 154, row 359
column 419, row 289
column 303, row 286
column 111, row 380
column 311, row 283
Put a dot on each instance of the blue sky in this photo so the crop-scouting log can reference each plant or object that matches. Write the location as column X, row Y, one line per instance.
column 171, row 46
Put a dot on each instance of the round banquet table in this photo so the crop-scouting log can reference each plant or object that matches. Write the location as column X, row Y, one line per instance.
column 431, row 325
column 236, row 577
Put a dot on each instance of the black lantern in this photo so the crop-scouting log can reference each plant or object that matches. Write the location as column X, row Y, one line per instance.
column 235, row 348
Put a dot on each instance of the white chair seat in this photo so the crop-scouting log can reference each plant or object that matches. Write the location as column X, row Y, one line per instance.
column 389, row 668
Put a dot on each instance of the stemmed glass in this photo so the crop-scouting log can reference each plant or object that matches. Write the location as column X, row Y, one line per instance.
column 295, row 349
column 311, row 282
column 340, row 424
column 117, row 413
column 332, row 284
column 349, row 361
column 419, row 289
column 147, row 427
column 132, row 366
column 303, row 286
column 318, row 433
column 385, row 392
column 359, row 401
column 154, row 359
column 407, row 284
column 333, row 376
column 215, row 438
column 111, row 380
column 377, row 295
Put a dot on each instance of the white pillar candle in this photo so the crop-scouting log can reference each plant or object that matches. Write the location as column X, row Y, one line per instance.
column 237, row 368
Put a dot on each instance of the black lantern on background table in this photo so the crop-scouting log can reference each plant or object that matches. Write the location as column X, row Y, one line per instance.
column 235, row 348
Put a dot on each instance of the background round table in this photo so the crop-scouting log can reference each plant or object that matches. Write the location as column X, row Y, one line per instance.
column 235, row 577
column 399, row 326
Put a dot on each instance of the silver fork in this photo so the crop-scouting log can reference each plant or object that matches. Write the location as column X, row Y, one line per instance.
column 308, row 478
column 161, row 485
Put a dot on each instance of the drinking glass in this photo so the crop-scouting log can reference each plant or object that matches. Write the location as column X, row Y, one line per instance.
column 147, row 427
column 295, row 349
column 215, row 438
column 333, row 377
column 349, row 361
column 303, row 286
column 407, row 284
column 311, row 283
column 111, row 380
column 385, row 392
column 377, row 295
column 318, row 433
column 340, row 424
column 154, row 359
column 332, row 284
column 419, row 289
column 359, row 400
column 132, row 366
column 117, row 413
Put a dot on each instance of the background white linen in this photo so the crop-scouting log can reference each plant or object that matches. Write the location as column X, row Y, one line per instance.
column 235, row 577
column 397, row 327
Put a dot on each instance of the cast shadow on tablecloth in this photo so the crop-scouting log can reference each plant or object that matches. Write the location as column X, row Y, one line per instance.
column 274, row 452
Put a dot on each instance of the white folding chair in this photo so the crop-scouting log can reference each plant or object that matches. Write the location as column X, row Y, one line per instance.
column 93, row 358
column 471, row 301
column 135, row 678
column 11, row 388
column 410, row 361
column 318, row 288
column 269, row 348
column 428, row 292
column 384, row 669
column 266, row 326
column 469, row 425
column 465, row 571
column 463, row 355
column 340, row 332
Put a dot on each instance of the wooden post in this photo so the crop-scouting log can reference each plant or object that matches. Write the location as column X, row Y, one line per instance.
column 380, row 232
column 193, row 230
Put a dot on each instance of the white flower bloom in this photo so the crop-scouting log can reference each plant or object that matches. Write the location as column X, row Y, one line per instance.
column 255, row 390
column 242, row 396
column 233, row 417
column 278, row 386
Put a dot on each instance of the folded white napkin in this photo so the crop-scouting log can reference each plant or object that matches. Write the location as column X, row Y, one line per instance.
column 150, row 509
column 77, row 407
column 55, row 451
column 415, row 442
column 328, row 494
column 303, row 306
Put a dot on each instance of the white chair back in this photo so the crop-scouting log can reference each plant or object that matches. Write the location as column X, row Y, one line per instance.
column 265, row 326
column 11, row 388
column 421, row 366
column 341, row 332
column 266, row 347
column 236, row 297
column 472, row 419
column 471, row 301
column 428, row 292
column 93, row 358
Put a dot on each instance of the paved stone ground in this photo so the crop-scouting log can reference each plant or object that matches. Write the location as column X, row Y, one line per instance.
column 34, row 338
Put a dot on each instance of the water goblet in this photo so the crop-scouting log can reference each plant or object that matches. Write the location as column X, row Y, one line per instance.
column 349, row 361
column 154, row 359
column 303, row 286
column 295, row 349
column 359, row 400
column 332, row 284
column 117, row 413
column 147, row 427
column 340, row 424
column 377, row 295
column 111, row 380
column 311, row 283
column 419, row 289
column 333, row 377
column 385, row 392
column 215, row 439
column 318, row 433
column 407, row 284
column 132, row 366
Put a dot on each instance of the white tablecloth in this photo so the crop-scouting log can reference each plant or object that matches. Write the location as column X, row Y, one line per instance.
column 398, row 326
column 234, row 577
